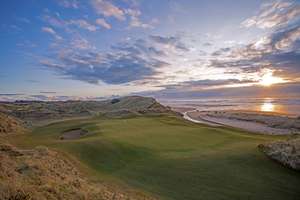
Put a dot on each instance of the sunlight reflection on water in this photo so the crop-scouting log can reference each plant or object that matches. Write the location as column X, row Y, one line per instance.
column 289, row 106
column 267, row 107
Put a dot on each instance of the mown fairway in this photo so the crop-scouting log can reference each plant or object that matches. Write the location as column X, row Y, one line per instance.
column 174, row 159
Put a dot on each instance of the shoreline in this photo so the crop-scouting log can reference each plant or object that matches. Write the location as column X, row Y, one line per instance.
column 199, row 121
column 256, row 122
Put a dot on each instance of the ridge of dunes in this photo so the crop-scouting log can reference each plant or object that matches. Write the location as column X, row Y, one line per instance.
column 37, row 111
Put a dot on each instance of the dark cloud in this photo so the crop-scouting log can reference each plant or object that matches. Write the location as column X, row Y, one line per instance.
column 203, row 84
column 282, row 90
column 221, row 51
column 172, row 41
column 139, row 47
column 115, row 68
column 122, row 69
column 47, row 92
column 287, row 63
column 207, row 44
column 123, row 63
column 11, row 94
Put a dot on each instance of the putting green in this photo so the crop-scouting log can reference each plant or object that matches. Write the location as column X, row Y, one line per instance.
column 173, row 158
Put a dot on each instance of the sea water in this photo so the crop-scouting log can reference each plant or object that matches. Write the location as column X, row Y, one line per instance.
column 289, row 106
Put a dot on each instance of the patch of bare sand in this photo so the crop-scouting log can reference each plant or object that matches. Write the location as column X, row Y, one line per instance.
column 73, row 134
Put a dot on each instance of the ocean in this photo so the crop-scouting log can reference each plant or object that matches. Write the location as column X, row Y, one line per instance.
column 290, row 106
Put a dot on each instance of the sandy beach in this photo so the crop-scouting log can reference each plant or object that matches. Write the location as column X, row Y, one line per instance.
column 257, row 122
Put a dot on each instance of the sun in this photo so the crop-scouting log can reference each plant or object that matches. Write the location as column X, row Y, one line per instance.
column 267, row 107
column 268, row 79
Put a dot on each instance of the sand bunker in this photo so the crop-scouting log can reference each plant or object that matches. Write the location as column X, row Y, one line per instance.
column 73, row 134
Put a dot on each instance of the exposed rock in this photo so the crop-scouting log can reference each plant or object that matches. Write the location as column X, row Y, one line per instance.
column 285, row 152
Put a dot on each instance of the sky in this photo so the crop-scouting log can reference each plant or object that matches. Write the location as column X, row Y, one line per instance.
column 94, row 49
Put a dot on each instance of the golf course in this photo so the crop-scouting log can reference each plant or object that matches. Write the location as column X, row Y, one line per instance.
column 171, row 158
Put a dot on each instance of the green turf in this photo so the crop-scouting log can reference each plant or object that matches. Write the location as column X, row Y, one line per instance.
column 175, row 159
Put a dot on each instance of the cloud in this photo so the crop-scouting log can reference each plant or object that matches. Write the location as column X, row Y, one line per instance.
column 55, row 21
column 206, row 84
column 69, row 3
column 221, row 51
column 139, row 47
column 172, row 41
column 103, row 23
column 135, row 21
column 68, row 25
column 11, row 94
column 104, row 8
column 39, row 97
column 207, row 44
column 174, row 62
column 83, row 24
column 81, row 43
column 47, row 92
column 107, row 9
column 287, row 64
column 125, row 63
column 170, row 62
column 51, row 32
column 274, row 14
column 278, row 51
column 287, row 39
column 282, row 90
column 51, row 65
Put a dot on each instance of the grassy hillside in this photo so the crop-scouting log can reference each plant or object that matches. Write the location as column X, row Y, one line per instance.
column 172, row 158
column 41, row 174
column 35, row 112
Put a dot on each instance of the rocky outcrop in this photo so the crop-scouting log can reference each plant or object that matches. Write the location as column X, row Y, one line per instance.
column 284, row 152
column 41, row 174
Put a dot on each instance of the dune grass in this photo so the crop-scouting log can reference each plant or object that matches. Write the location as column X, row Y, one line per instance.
column 174, row 159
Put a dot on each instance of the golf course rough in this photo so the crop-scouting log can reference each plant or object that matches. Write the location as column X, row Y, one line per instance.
column 172, row 158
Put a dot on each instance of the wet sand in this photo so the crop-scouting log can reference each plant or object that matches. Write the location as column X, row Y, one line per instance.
column 257, row 122
column 190, row 115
